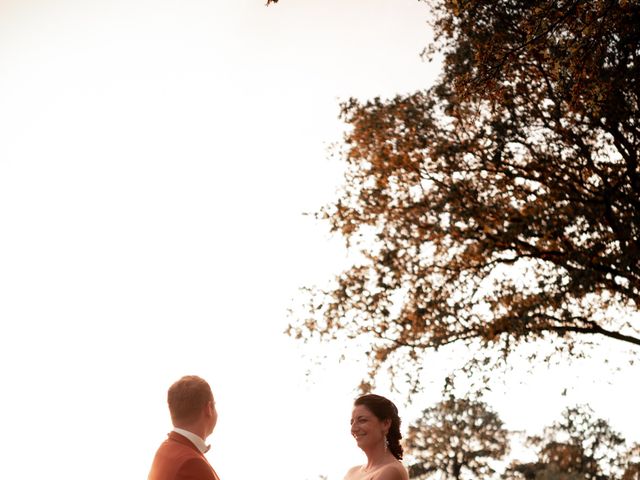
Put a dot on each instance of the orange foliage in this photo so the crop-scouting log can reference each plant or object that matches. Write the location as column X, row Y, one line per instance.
column 502, row 205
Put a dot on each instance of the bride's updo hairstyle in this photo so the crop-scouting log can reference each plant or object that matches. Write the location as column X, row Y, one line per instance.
column 384, row 409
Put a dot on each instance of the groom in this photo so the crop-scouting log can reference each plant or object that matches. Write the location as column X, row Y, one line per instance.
column 194, row 416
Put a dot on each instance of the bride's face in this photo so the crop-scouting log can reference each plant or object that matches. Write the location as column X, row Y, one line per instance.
column 366, row 428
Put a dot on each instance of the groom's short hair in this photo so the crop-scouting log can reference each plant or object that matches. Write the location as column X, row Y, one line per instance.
column 187, row 397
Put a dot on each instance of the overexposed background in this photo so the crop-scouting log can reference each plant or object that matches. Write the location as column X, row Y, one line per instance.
column 156, row 159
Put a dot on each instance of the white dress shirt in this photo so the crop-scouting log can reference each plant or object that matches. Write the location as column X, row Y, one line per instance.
column 195, row 439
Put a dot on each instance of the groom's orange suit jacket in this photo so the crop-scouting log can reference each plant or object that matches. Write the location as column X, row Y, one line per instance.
column 179, row 459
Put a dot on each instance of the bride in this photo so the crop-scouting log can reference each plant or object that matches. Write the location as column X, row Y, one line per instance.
column 375, row 425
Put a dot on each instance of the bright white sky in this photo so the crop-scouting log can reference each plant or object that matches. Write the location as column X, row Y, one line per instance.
column 156, row 158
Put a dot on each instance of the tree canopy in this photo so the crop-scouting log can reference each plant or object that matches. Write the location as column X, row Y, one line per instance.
column 455, row 439
column 463, row 438
column 501, row 205
column 579, row 446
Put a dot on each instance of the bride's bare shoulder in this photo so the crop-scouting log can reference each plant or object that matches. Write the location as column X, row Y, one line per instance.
column 393, row 471
column 353, row 473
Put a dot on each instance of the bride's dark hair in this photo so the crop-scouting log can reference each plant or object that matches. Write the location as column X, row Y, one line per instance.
column 384, row 409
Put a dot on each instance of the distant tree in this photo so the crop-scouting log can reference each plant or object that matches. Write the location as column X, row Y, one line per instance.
column 578, row 446
column 455, row 439
column 502, row 205
column 545, row 472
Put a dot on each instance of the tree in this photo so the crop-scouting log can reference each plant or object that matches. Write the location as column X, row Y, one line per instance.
column 543, row 472
column 462, row 437
column 502, row 205
column 577, row 446
column 456, row 438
